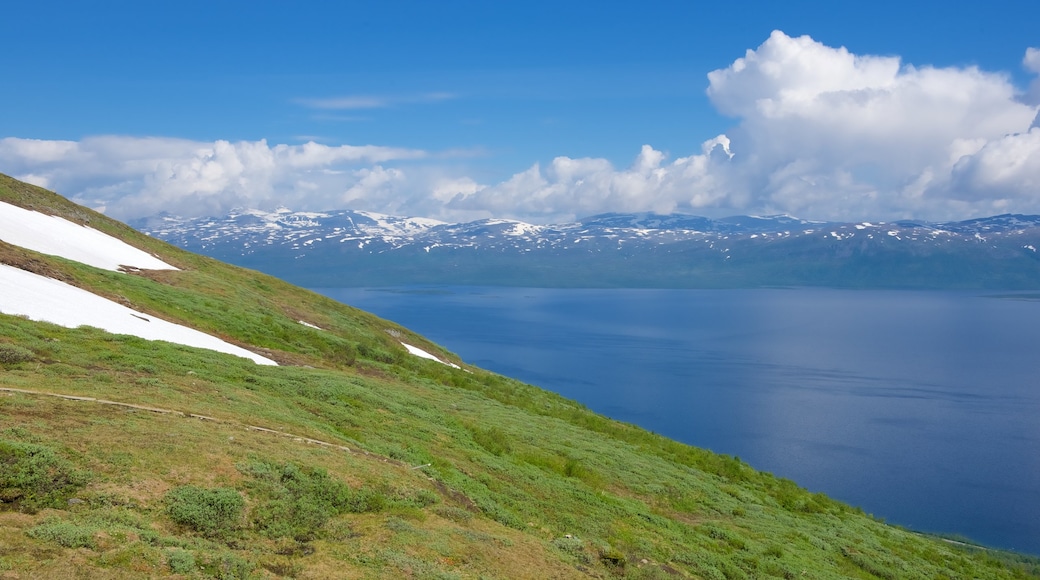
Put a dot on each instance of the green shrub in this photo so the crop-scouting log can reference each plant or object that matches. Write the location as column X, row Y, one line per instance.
column 573, row 547
column 12, row 354
column 492, row 439
column 64, row 533
column 211, row 512
column 612, row 557
column 576, row 469
column 367, row 500
column 296, row 501
column 226, row 566
column 33, row 477
column 180, row 561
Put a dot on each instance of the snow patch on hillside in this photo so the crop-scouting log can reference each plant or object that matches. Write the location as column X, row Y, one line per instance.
column 45, row 299
column 59, row 237
column 423, row 354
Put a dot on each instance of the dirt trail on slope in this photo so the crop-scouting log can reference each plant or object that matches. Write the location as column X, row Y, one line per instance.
column 292, row 436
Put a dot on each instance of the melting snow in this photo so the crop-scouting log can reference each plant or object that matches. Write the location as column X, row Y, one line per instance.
column 423, row 354
column 40, row 298
column 60, row 237
column 45, row 299
column 308, row 324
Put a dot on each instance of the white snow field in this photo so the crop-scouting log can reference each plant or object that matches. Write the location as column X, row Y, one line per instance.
column 60, row 237
column 45, row 299
column 40, row 298
column 423, row 354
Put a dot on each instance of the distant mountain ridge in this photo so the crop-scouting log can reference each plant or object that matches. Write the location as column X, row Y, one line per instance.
column 357, row 248
column 359, row 455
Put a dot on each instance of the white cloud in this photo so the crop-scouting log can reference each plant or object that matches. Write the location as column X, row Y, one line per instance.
column 349, row 102
column 826, row 132
column 131, row 176
column 1002, row 173
column 1032, row 60
column 819, row 132
column 569, row 188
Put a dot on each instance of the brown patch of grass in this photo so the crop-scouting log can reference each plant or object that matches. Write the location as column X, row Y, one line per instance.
column 31, row 262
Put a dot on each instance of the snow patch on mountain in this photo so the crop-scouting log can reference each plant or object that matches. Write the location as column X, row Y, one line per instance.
column 423, row 354
column 59, row 237
column 45, row 299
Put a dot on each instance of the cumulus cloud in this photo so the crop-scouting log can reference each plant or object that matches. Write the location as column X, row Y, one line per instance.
column 819, row 132
column 825, row 132
column 1031, row 62
column 567, row 188
column 822, row 133
column 130, row 177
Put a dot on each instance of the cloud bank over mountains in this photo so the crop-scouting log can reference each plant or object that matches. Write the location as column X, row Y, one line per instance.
column 819, row 132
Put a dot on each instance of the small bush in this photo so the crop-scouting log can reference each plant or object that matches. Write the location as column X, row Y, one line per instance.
column 180, row 561
column 33, row 477
column 64, row 533
column 12, row 354
column 574, row 468
column 774, row 550
column 419, row 499
column 612, row 557
column 573, row 547
column 492, row 439
column 211, row 512
column 367, row 500
column 226, row 566
column 295, row 502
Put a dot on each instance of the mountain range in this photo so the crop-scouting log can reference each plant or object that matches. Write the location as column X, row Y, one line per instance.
column 357, row 248
column 367, row 451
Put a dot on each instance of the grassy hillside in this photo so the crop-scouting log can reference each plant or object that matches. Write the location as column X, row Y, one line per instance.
column 357, row 460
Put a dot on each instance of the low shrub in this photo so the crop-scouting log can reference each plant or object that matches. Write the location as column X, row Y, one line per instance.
column 493, row 439
column 12, row 354
column 367, row 500
column 574, row 548
column 64, row 533
column 33, row 477
column 211, row 512
column 612, row 557
column 296, row 502
column 180, row 561
column 226, row 566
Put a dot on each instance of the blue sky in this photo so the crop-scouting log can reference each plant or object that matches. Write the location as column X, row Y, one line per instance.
column 543, row 111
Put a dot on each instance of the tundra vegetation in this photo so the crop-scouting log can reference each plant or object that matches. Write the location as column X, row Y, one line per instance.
column 427, row 471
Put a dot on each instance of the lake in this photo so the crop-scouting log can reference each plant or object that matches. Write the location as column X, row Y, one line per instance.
column 923, row 408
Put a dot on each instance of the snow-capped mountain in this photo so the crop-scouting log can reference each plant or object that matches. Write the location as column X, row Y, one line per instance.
column 345, row 247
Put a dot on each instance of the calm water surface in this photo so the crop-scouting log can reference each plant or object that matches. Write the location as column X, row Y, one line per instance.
column 920, row 407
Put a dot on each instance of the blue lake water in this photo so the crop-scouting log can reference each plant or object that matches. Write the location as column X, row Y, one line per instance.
column 920, row 407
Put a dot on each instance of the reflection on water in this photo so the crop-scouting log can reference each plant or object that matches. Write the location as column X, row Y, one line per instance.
column 919, row 407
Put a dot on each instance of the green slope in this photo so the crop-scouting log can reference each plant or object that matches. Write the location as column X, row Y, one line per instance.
column 426, row 471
